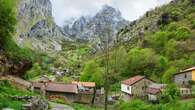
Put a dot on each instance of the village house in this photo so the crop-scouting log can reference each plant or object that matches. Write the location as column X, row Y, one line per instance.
column 184, row 80
column 81, row 92
column 154, row 91
column 86, row 91
column 85, row 87
column 135, row 86
column 69, row 91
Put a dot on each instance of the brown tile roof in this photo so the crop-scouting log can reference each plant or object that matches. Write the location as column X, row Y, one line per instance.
column 84, row 84
column 133, row 80
column 58, row 87
column 153, row 91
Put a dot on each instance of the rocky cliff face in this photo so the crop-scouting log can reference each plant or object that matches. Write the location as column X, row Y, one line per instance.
column 36, row 27
column 93, row 28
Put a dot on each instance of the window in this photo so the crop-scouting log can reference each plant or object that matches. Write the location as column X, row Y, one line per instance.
column 183, row 82
column 185, row 76
column 127, row 87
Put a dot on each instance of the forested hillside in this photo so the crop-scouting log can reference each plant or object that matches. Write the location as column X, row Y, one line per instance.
column 158, row 45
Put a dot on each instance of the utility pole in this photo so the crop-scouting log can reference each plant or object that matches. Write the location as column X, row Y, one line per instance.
column 106, row 85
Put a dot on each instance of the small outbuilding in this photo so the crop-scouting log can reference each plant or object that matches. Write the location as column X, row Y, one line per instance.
column 154, row 90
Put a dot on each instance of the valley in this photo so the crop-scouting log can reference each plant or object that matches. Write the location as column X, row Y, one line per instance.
column 97, row 62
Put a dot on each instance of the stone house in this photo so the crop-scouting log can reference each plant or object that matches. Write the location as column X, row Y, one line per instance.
column 69, row 91
column 184, row 80
column 85, row 87
column 87, row 91
column 154, row 91
column 135, row 86
column 81, row 92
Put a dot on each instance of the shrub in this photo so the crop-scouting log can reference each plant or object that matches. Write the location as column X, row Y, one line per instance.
column 183, row 33
column 34, row 72
column 193, row 24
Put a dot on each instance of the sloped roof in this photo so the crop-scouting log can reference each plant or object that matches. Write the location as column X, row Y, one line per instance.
column 186, row 70
column 190, row 69
column 153, row 91
column 157, row 86
column 132, row 80
column 37, row 84
column 84, row 84
column 58, row 87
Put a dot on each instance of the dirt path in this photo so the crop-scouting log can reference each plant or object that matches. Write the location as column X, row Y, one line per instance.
column 55, row 106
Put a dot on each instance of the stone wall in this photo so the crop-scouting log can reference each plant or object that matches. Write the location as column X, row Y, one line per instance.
column 183, row 78
column 139, row 88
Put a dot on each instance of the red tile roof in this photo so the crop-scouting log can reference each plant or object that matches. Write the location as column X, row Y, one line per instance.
column 133, row 80
column 84, row 84
column 153, row 91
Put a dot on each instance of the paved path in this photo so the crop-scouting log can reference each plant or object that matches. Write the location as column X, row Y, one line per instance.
column 55, row 106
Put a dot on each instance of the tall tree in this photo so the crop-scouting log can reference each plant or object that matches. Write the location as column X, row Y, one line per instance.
column 7, row 19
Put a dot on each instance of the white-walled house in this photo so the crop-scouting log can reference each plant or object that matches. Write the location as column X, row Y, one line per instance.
column 135, row 86
column 126, row 88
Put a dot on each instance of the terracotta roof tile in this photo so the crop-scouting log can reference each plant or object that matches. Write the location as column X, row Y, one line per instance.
column 153, row 91
column 133, row 80
column 84, row 84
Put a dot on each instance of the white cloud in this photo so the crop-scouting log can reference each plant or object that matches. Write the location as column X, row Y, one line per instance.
column 130, row 9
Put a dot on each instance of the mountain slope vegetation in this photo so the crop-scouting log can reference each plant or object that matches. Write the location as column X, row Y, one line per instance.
column 157, row 45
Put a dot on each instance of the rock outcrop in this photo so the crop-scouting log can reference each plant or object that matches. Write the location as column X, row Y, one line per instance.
column 36, row 27
column 94, row 28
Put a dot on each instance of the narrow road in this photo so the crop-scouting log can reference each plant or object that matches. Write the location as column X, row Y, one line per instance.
column 56, row 106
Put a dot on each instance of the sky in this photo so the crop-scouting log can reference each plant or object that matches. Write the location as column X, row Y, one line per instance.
column 64, row 10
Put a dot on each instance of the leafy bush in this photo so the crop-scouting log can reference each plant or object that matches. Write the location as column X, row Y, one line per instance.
column 133, row 105
column 171, row 94
column 33, row 72
column 193, row 24
column 92, row 72
column 183, row 33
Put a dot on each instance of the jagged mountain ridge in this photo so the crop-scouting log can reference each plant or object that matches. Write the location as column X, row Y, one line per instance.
column 36, row 27
column 89, row 28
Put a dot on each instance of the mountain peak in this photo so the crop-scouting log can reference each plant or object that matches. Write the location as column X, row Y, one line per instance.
column 107, row 9
column 90, row 28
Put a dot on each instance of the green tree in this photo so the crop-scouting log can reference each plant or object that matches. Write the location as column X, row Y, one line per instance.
column 92, row 72
column 183, row 33
column 171, row 94
column 33, row 72
column 141, row 61
column 167, row 76
column 7, row 19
